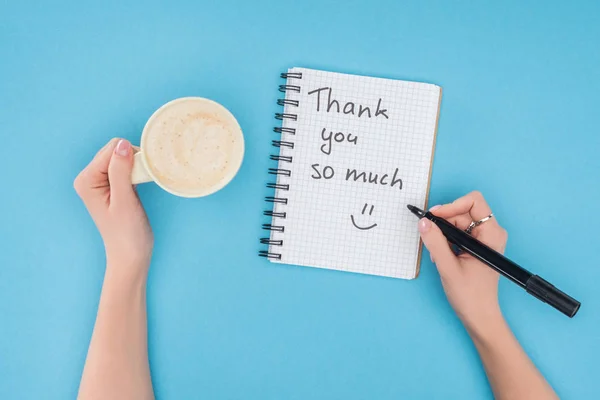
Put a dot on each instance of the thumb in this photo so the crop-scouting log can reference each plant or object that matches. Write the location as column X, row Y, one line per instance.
column 437, row 244
column 119, row 172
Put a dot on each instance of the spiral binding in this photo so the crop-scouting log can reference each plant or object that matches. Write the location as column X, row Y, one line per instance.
column 280, row 171
column 282, row 116
column 289, row 88
column 283, row 102
column 282, row 143
column 279, row 129
column 274, row 214
column 270, row 227
column 280, row 200
column 275, row 226
column 278, row 186
column 281, row 158
column 271, row 242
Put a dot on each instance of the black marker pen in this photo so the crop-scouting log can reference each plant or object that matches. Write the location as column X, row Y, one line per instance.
column 535, row 285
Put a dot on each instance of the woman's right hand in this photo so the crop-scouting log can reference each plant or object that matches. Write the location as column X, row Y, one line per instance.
column 470, row 286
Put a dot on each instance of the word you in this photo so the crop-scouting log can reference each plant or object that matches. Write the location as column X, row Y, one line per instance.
column 339, row 137
column 349, row 107
column 352, row 175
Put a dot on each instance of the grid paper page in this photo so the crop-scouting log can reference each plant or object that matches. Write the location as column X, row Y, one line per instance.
column 352, row 176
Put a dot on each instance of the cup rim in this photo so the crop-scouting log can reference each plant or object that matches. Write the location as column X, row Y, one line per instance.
column 225, row 181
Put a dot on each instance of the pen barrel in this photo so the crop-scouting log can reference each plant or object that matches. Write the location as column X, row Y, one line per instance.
column 548, row 293
column 533, row 284
column 483, row 253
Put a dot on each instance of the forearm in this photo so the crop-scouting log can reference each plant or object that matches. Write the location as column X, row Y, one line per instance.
column 510, row 372
column 117, row 362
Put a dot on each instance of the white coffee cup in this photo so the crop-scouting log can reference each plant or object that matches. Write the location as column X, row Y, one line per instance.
column 190, row 147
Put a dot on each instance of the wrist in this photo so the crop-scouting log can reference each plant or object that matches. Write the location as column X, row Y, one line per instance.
column 131, row 273
column 122, row 291
column 486, row 326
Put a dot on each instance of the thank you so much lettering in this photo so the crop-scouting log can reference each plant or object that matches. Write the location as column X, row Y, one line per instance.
column 331, row 137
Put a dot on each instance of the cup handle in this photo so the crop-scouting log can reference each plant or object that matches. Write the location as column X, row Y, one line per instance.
column 139, row 173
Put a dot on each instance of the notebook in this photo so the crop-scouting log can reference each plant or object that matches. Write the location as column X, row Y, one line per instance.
column 351, row 152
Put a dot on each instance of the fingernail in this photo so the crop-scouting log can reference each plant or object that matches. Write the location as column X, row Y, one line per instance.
column 123, row 148
column 424, row 225
column 434, row 208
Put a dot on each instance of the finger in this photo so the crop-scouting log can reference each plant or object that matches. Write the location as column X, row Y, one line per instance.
column 99, row 164
column 119, row 173
column 472, row 204
column 437, row 244
column 95, row 174
column 461, row 221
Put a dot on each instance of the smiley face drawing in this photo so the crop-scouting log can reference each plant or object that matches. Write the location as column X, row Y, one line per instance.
column 364, row 210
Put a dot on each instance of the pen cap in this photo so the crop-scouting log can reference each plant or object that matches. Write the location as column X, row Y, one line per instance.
column 548, row 293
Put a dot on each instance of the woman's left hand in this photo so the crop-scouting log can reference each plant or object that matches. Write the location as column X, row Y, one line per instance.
column 106, row 190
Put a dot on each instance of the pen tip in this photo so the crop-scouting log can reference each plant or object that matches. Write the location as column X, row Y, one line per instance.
column 415, row 210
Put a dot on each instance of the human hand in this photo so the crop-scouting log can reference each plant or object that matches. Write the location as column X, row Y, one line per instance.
column 470, row 286
column 106, row 190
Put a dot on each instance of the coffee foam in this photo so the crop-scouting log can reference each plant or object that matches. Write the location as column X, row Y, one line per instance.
column 193, row 146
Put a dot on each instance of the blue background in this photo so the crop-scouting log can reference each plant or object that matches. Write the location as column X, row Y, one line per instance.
column 519, row 121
